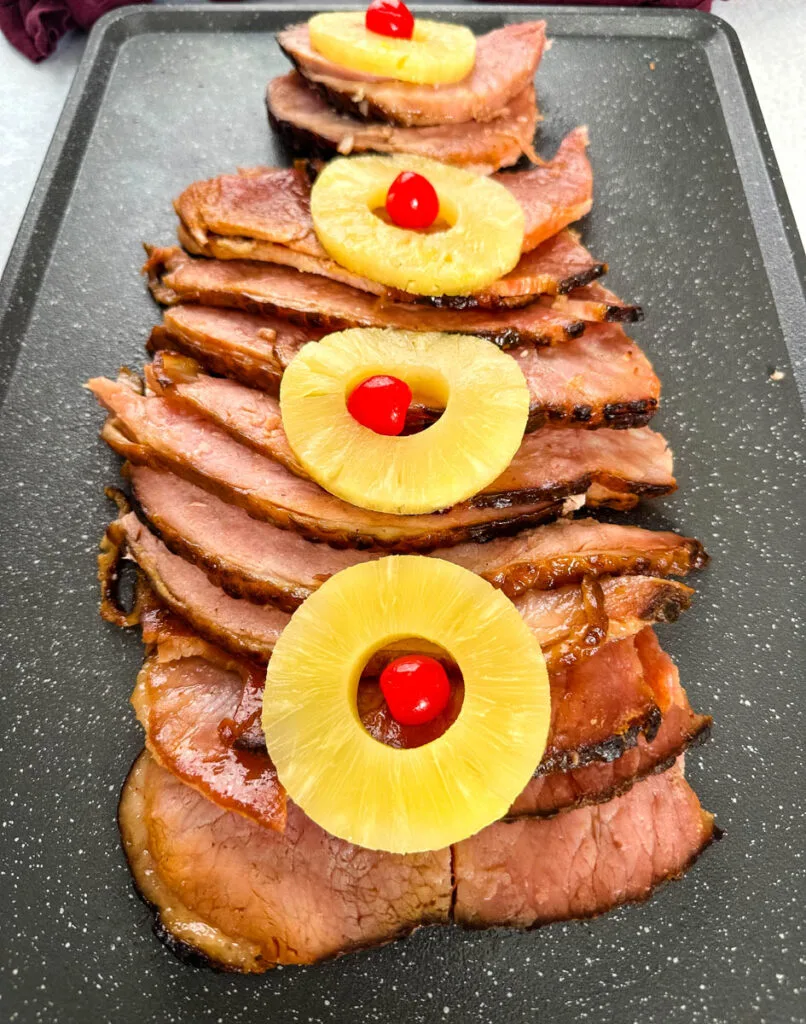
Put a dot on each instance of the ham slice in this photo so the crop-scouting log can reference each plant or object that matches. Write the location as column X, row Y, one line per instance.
column 567, row 628
column 506, row 61
column 151, row 431
column 258, row 561
column 630, row 462
column 231, row 893
column 600, row 380
column 583, row 862
column 315, row 301
column 310, row 127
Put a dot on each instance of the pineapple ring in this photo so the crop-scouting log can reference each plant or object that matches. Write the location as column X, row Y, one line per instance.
column 482, row 242
column 436, row 54
column 486, row 403
column 424, row 798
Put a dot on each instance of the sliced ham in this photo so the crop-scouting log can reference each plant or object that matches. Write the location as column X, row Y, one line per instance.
column 312, row 300
column 566, row 628
column 151, row 431
column 506, row 61
column 583, row 862
column 602, row 379
column 245, row 898
column 633, row 462
column 263, row 214
column 258, row 561
column 181, row 703
column 231, row 893
column 617, row 769
column 310, row 127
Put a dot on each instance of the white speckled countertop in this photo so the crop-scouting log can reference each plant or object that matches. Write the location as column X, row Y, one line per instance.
column 772, row 35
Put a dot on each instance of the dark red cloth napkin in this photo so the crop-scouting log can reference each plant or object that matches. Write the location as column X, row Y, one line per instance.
column 36, row 26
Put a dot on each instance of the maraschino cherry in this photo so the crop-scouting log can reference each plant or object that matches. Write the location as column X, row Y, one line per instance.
column 381, row 403
column 416, row 688
column 390, row 18
column 412, row 201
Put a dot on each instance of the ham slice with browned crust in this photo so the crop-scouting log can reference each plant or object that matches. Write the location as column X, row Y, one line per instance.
column 602, row 379
column 231, row 893
column 313, row 300
column 629, row 463
column 569, row 623
column 506, row 61
column 153, row 432
column 310, row 127
column 263, row 563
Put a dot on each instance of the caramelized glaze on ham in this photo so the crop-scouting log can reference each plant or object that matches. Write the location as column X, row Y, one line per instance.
column 236, row 895
column 602, row 379
column 152, row 432
column 263, row 563
column 506, row 61
column 310, row 127
column 312, row 300
column 566, row 626
column 633, row 462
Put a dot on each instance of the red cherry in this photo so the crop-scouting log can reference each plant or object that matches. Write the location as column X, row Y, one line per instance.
column 381, row 403
column 390, row 18
column 416, row 689
column 412, row 201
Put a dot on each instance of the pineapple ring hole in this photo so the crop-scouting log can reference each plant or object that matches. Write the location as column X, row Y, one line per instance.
column 374, row 713
column 430, row 391
column 446, row 218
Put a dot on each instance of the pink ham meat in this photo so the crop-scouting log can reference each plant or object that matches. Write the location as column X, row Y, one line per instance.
column 151, row 431
column 230, row 893
column 506, row 61
column 256, row 560
column 567, row 630
column 264, row 214
column 627, row 463
column 602, row 379
column 315, row 301
column 242, row 897
column 528, row 873
column 310, row 127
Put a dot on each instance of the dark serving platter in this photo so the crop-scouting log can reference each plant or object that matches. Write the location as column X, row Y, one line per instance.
column 691, row 215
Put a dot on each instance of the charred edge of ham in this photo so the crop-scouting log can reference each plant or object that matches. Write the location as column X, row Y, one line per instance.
column 605, row 751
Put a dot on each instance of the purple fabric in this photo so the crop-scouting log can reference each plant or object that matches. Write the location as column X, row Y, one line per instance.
column 36, row 26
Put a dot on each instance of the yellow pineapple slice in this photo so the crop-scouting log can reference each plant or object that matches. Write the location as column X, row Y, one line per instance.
column 481, row 240
column 427, row 797
column 436, row 54
column 486, row 403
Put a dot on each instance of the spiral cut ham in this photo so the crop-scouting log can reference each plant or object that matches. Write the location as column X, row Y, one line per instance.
column 228, row 892
column 615, row 467
column 263, row 563
column 602, row 379
column 571, row 622
column 505, row 64
column 315, row 301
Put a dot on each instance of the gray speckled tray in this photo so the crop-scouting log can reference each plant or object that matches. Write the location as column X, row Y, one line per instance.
column 691, row 215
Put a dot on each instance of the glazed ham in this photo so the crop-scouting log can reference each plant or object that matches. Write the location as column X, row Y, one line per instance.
column 242, row 897
column 151, row 431
column 600, row 380
column 506, row 61
column 529, row 873
column 310, row 127
column 570, row 622
column 630, row 463
column 258, row 561
column 264, row 214
column 316, row 301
